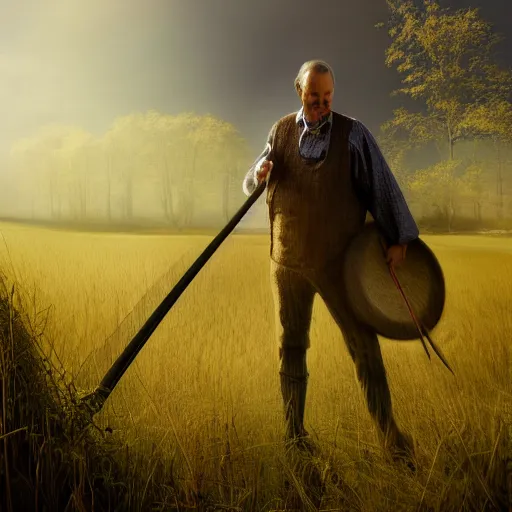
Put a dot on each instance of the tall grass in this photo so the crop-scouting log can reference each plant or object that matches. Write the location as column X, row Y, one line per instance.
column 197, row 420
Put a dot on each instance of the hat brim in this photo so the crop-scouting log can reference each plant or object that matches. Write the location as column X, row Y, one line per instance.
column 373, row 295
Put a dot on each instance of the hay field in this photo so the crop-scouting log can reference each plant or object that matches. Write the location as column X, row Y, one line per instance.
column 204, row 392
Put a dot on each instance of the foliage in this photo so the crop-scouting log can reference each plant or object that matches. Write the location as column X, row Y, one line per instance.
column 446, row 62
column 490, row 120
column 142, row 159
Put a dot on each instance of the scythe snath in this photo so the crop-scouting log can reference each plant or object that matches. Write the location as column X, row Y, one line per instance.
column 95, row 400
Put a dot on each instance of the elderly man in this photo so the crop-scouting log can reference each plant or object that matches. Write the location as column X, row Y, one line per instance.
column 324, row 172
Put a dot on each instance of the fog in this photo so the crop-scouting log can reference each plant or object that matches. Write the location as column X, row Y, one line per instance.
column 77, row 76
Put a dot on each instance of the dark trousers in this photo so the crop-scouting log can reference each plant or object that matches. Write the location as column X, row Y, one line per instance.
column 293, row 294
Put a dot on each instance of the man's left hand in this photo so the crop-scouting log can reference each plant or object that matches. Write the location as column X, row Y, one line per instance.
column 396, row 255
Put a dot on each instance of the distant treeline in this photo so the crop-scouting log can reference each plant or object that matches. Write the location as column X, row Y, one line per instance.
column 186, row 172
column 452, row 154
column 183, row 171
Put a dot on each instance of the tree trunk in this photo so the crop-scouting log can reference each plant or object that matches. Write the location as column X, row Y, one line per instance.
column 33, row 208
column 52, row 202
column 477, row 210
column 83, row 211
column 72, row 194
column 166, row 195
column 451, row 209
column 225, row 195
column 189, row 199
column 499, row 182
column 128, row 198
column 109, row 187
column 477, row 202
column 59, row 206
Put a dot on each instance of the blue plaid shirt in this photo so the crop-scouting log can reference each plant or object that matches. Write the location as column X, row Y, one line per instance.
column 374, row 182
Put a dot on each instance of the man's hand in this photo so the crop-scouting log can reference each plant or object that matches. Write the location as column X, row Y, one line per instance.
column 396, row 255
column 264, row 170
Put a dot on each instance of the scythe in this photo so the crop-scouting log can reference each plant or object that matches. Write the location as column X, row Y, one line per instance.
column 94, row 401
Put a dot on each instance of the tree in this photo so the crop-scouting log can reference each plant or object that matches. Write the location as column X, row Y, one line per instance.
column 395, row 151
column 211, row 154
column 224, row 147
column 177, row 158
column 493, row 121
column 161, row 146
column 23, row 161
column 446, row 62
column 47, row 163
column 122, row 142
column 73, row 160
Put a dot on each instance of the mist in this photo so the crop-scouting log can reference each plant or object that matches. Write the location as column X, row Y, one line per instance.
column 72, row 72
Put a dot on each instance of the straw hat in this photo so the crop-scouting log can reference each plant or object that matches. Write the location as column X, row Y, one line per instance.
column 375, row 298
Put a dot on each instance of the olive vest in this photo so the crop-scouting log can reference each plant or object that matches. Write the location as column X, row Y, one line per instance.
column 313, row 207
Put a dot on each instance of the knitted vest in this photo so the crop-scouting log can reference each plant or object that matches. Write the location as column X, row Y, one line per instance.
column 313, row 208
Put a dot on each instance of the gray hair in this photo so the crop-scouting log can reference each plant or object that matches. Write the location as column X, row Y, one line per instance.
column 317, row 66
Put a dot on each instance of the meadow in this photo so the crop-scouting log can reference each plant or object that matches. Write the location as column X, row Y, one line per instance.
column 201, row 403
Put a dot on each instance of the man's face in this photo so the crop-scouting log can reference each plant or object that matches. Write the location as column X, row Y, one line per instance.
column 316, row 95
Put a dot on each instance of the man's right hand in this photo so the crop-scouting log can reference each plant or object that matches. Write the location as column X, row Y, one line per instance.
column 264, row 170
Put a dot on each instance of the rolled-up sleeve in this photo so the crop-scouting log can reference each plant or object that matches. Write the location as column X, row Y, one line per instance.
column 250, row 181
column 379, row 188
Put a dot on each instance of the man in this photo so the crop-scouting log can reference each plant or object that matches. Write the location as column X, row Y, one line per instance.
column 324, row 172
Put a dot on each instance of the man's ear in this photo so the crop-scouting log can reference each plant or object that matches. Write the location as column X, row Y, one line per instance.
column 299, row 92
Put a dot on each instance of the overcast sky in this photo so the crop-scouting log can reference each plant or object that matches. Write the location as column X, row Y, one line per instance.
column 87, row 62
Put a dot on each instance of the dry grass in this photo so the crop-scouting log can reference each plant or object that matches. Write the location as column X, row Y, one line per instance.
column 200, row 410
